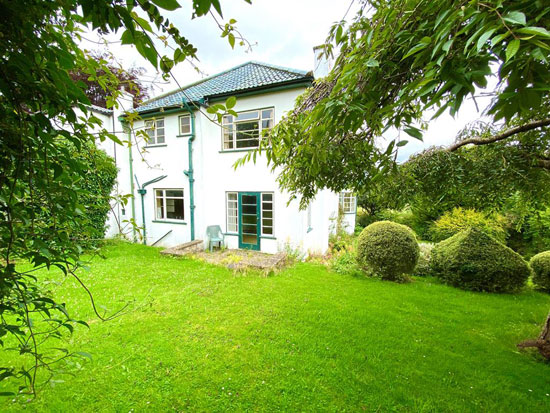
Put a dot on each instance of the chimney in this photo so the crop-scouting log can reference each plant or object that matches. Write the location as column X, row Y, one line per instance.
column 322, row 65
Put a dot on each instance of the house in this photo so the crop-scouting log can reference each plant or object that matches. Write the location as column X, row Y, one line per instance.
column 183, row 179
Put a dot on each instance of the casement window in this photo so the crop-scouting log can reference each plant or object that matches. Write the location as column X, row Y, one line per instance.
column 185, row 124
column 169, row 204
column 347, row 202
column 232, row 212
column 245, row 130
column 267, row 214
column 155, row 131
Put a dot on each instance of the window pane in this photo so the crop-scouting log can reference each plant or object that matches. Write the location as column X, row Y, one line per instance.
column 227, row 119
column 248, row 115
column 174, row 208
column 267, row 124
column 185, row 124
column 159, row 123
column 267, row 113
column 248, row 134
column 232, row 211
column 160, row 209
column 174, row 193
column 267, row 214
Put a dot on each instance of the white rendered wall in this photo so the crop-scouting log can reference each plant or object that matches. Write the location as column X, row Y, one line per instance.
column 214, row 176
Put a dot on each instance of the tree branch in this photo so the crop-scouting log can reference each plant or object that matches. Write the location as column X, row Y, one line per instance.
column 501, row 136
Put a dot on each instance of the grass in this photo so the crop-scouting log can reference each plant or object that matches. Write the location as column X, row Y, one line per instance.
column 200, row 337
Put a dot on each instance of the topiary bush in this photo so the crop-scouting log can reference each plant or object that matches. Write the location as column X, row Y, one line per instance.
column 473, row 260
column 459, row 219
column 540, row 264
column 388, row 249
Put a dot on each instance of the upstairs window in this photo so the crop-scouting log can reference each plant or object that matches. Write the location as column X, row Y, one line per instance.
column 155, row 131
column 245, row 130
column 185, row 125
column 347, row 202
column 169, row 204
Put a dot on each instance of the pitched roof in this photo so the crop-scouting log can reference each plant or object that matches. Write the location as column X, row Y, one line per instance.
column 248, row 76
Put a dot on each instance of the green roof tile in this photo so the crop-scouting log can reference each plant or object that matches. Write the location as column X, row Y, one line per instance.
column 247, row 76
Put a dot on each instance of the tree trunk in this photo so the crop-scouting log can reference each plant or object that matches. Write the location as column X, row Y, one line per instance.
column 542, row 343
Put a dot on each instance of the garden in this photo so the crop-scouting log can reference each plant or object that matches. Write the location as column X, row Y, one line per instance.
column 197, row 336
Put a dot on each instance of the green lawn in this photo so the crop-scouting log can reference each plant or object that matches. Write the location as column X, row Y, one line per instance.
column 200, row 337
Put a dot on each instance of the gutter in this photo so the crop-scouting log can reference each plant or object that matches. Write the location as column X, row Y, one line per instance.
column 190, row 171
column 132, row 198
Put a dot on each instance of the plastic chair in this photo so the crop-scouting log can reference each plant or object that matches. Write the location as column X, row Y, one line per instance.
column 215, row 234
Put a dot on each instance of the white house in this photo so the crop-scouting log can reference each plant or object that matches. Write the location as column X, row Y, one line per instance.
column 183, row 179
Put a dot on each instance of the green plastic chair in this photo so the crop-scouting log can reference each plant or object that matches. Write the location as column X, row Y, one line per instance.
column 215, row 234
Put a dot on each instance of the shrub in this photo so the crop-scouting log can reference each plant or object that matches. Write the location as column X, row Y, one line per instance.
column 473, row 260
column 540, row 264
column 423, row 266
column 389, row 249
column 345, row 262
column 459, row 219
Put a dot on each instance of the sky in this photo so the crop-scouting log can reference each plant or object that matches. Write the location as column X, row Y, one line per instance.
column 282, row 32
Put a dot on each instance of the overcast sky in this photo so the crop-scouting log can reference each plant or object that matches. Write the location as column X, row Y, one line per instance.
column 282, row 32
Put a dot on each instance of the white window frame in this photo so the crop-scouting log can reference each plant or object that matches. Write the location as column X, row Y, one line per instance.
column 182, row 133
column 272, row 214
column 164, row 198
column 151, row 126
column 236, row 201
column 348, row 202
column 232, row 124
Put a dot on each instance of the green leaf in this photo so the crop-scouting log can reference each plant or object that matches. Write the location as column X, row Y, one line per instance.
column 84, row 354
column 402, row 143
column 372, row 63
column 515, row 17
column 230, row 102
column 167, row 4
column 537, row 31
column 484, row 37
column 144, row 24
column 231, row 39
column 414, row 132
column 512, row 49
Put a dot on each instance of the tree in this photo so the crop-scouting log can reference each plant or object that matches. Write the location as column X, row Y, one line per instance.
column 44, row 118
column 398, row 62
column 128, row 78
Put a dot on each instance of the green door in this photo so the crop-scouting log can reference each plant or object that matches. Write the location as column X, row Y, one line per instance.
column 249, row 220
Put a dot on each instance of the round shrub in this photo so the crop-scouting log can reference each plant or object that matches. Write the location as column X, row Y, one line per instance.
column 459, row 219
column 540, row 264
column 473, row 260
column 389, row 249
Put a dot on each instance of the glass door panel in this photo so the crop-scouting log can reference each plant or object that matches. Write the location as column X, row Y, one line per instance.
column 249, row 220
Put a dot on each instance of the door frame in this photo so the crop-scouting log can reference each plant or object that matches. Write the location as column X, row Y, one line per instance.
column 258, row 196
